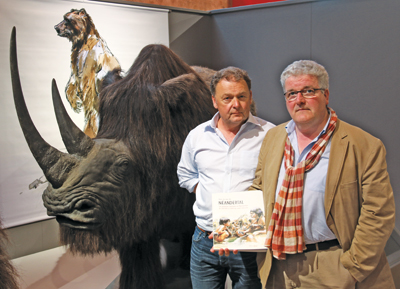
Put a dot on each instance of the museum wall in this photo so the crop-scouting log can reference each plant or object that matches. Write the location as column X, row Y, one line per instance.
column 356, row 40
column 204, row 5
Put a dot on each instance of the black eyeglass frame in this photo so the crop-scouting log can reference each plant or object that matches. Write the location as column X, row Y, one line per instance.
column 302, row 93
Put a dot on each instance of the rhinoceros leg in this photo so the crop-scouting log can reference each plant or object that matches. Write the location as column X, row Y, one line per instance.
column 141, row 266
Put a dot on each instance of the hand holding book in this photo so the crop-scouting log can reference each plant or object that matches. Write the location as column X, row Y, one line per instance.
column 222, row 251
column 238, row 221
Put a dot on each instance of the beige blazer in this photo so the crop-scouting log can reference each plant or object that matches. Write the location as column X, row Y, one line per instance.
column 359, row 203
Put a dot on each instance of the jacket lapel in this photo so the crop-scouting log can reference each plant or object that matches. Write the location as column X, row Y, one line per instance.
column 339, row 146
column 274, row 163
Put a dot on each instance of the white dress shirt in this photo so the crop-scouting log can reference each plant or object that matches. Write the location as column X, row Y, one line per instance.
column 217, row 167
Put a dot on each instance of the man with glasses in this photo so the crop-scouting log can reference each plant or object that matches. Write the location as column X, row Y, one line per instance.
column 328, row 199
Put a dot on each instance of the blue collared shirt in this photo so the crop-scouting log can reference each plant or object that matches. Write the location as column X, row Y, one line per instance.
column 313, row 215
column 217, row 167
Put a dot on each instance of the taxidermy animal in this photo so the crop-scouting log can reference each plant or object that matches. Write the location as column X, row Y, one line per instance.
column 8, row 274
column 91, row 60
column 120, row 190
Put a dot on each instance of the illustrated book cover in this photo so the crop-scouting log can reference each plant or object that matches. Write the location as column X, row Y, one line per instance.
column 238, row 221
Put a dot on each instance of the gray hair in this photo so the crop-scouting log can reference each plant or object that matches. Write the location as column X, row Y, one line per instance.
column 306, row 67
column 230, row 73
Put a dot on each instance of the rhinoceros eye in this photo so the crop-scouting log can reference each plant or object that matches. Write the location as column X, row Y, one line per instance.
column 122, row 165
column 119, row 169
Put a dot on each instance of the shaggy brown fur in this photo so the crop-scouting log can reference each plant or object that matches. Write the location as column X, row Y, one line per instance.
column 8, row 274
column 91, row 60
column 120, row 191
column 151, row 111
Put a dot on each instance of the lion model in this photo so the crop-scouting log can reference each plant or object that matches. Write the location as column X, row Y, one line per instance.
column 91, row 61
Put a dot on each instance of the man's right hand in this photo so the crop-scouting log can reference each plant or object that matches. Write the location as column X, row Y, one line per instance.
column 221, row 251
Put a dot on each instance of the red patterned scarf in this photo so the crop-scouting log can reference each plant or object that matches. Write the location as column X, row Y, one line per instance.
column 285, row 230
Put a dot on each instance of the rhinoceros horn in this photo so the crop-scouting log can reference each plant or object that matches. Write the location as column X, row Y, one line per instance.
column 54, row 164
column 75, row 140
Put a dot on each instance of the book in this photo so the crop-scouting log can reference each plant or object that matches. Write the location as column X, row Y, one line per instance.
column 238, row 221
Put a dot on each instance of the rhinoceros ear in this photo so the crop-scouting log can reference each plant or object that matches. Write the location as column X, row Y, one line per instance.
column 54, row 164
column 75, row 140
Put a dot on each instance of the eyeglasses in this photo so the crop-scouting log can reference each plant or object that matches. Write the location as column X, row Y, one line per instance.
column 306, row 93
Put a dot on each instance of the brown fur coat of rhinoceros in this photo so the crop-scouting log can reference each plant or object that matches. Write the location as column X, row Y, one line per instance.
column 120, row 190
column 8, row 273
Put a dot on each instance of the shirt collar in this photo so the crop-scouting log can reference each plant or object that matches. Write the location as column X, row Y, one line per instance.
column 251, row 119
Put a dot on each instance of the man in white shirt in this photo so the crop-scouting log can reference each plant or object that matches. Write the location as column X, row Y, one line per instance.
column 218, row 156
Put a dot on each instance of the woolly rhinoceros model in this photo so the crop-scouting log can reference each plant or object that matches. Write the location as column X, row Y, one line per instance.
column 8, row 273
column 120, row 190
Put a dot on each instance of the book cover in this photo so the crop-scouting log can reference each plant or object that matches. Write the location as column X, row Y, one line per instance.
column 238, row 221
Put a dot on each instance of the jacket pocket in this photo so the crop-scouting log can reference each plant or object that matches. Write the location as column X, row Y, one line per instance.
column 345, row 212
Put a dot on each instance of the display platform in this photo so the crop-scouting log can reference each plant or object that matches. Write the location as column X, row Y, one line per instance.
column 58, row 268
